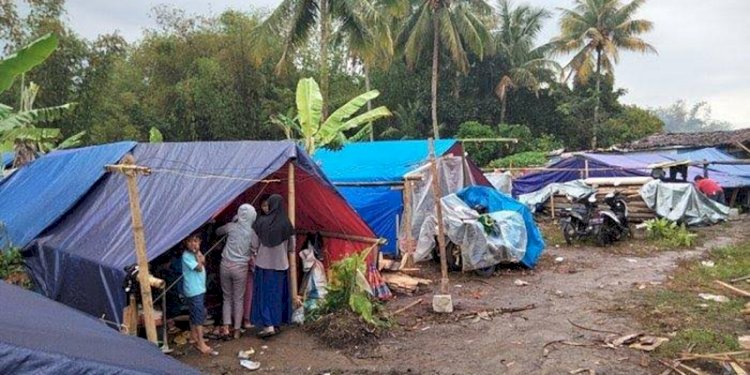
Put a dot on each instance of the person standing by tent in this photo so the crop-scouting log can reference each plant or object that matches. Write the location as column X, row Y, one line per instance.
column 235, row 263
column 710, row 188
column 194, row 289
column 271, row 306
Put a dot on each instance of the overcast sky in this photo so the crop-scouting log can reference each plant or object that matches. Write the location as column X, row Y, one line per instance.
column 704, row 46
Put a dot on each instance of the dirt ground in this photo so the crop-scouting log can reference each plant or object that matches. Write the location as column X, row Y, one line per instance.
column 579, row 289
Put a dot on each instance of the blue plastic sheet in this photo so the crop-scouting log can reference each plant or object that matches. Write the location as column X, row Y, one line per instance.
column 40, row 336
column 493, row 200
column 377, row 161
column 8, row 159
column 80, row 260
column 379, row 207
column 38, row 194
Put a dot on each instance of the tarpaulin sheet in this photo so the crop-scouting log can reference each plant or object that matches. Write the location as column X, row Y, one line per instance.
column 568, row 169
column 80, row 260
column 576, row 189
column 377, row 161
column 36, row 195
column 7, row 159
column 502, row 181
column 383, row 162
column 635, row 164
column 505, row 243
column 728, row 176
column 510, row 210
column 379, row 206
column 682, row 202
column 41, row 336
column 495, row 201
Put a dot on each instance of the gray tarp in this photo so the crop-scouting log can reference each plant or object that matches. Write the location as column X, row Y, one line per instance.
column 682, row 202
column 507, row 243
column 575, row 189
column 503, row 182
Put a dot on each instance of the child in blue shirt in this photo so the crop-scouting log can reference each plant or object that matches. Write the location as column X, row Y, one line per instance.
column 194, row 289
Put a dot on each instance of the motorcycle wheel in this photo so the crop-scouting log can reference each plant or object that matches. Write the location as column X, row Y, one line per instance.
column 604, row 234
column 569, row 232
column 453, row 256
column 485, row 272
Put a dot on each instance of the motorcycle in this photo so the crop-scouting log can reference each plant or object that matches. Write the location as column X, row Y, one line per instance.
column 586, row 220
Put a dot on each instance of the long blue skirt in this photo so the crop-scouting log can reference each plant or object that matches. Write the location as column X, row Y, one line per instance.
column 272, row 304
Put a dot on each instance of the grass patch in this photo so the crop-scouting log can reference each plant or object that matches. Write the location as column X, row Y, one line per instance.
column 679, row 312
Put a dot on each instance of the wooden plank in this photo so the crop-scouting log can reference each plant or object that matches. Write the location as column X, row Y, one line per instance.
column 140, row 249
column 292, row 206
column 436, row 194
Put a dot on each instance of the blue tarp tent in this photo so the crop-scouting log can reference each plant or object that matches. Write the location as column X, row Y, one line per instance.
column 634, row 164
column 38, row 194
column 79, row 261
column 41, row 336
column 366, row 172
column 8, row 159
column 497, row 201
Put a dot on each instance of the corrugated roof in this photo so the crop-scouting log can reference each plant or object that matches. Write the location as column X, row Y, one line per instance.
column 702, row 139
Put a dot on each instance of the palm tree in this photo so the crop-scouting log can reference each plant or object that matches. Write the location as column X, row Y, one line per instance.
column 454, row 25
column 294, row 21
column 528, row 66
column 377, row 51
column 596, row 30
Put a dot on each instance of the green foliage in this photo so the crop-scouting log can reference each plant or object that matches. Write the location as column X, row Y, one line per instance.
column 155, row 136
column 671, row 234
column 520, row 132
column 547, row 143
column 315, row 133
column 710, row 326
column 521, row 159
column 25, row 59
column 12, row 268
column 348, row 288
column 631, row 124
column 480, row 152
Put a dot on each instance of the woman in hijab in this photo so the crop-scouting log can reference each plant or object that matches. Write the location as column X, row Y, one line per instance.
column 235, row 261
column 271, row 306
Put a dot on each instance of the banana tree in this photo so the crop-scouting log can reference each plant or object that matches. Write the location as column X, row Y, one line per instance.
column 315, row 132
column 18, row 129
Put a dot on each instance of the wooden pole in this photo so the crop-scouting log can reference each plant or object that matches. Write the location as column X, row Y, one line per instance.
column 130, row 170
column 586, row 167
column 437, row 194
column 408, row 258
column 292, row 204
column 464, row 168
column 552, row 204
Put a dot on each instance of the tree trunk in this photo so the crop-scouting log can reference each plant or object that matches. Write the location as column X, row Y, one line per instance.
column 325, row 29
column 598, row 97
column 369, row 103
column 435, row 54
column 503, row 107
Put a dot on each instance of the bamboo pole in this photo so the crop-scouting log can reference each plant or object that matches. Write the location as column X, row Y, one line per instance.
column 408, row 258
column 292, row 204
column 437, row 193
column 130, row 170
column 586, row 167
column 344, row 236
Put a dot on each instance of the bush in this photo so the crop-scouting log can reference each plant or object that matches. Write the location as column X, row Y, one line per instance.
column 520, row 132
column 670, row 233
column 520, row 160
column 547, row 143
column 12, row 269
column 481, row 153
column 348, row 289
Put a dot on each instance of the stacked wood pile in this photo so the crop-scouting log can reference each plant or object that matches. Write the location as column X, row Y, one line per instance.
column 637, row 208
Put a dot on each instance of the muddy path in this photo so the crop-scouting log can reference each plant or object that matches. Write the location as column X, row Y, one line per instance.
column 580, row 289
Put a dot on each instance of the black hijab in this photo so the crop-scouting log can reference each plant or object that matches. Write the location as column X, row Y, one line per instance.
column 274, row 227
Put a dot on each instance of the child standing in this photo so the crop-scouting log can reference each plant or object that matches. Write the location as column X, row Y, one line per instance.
column 194, row 289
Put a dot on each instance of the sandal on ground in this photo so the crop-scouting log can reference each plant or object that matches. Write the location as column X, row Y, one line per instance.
column 267, row 332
